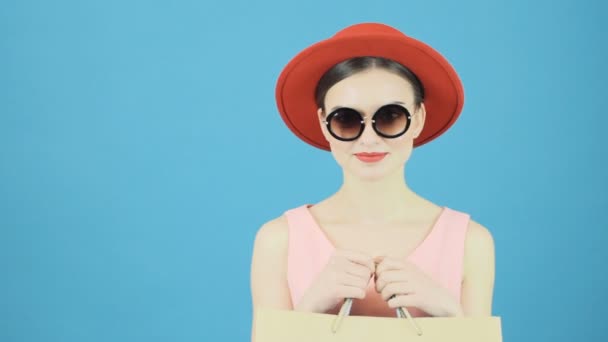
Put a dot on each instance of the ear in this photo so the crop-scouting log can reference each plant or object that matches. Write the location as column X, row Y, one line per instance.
column 321, row 118
column 418, row 119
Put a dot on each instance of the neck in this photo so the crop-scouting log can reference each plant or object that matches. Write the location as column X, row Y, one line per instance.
column 373, row 201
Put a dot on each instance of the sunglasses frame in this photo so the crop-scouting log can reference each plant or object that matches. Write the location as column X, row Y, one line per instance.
column 331, row 115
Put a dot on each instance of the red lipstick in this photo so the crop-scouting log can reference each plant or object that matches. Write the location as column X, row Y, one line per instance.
column 370, row 157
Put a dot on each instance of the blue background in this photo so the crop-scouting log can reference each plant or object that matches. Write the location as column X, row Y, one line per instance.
column 141, row 149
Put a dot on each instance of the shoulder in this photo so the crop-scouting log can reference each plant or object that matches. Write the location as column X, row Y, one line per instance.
column 479, row 250
column 272, row 237
column 270, row 250
column 274, row 234
column 479, row 239
column 268, row 266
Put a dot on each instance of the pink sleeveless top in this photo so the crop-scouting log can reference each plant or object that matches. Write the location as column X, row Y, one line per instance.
column 440, row 255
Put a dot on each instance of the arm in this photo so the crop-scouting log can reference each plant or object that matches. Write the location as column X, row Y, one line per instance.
column 479, row 271
column 269, row 268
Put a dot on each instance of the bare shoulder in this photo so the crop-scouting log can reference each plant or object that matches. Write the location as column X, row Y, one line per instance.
column 270, row 245
column 269, row 286
column 479, row 251
column 272, row 235
column 479, row 239
column 479, row 271
column 269, row 266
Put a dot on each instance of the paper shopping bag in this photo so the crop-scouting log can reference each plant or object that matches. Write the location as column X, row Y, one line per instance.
column 272, row 325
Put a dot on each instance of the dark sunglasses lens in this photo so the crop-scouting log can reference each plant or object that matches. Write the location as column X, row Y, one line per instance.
column 391, row 120
column 345, row 123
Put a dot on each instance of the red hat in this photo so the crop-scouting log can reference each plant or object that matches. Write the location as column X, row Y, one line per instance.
column 295, row 91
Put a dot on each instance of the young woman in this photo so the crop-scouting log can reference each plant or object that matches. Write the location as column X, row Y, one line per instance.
column 370, row 95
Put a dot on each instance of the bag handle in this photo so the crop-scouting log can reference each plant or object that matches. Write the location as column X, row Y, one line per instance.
column 348, row 303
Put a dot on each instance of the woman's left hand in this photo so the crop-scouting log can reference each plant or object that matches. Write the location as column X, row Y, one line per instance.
column 401, row 283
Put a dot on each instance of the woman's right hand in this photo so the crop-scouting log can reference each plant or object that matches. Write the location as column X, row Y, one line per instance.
column 346, row 275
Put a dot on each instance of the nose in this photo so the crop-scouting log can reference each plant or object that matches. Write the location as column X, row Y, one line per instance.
column 369, row 136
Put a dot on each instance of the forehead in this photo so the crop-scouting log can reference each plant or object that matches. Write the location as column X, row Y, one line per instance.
column 369, row 90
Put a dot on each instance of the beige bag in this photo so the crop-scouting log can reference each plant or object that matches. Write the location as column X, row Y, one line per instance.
column 273, row 325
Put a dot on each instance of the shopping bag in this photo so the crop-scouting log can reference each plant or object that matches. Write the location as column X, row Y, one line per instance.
column 273, row 325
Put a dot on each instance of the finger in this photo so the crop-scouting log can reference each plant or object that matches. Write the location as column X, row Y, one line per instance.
column 396, row 289
column 359, row 258
column 351, row 280
column 358, row 270
column 390, row 264
column 345, row 291
column 391, row 276
column 400, row 301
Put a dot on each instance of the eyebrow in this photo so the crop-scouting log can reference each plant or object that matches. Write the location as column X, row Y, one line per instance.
column 394, row 102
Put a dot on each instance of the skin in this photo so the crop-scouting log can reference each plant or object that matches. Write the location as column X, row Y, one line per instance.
column 376, row 216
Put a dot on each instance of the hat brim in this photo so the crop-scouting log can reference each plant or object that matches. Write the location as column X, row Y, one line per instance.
column 295, row 91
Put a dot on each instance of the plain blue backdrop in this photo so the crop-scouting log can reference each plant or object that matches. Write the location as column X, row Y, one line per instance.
column 141, row 149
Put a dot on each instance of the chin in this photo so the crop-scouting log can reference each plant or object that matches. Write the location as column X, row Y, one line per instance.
column 370, row 173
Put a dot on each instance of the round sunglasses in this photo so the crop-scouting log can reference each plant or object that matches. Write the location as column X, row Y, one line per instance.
column 389, row 121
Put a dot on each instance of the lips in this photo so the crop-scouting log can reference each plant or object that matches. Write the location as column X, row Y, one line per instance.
column 370, row 157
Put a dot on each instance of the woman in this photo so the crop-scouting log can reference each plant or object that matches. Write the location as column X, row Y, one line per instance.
column 370, row 95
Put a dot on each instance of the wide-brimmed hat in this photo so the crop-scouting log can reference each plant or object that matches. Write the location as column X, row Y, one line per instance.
column 295, row 91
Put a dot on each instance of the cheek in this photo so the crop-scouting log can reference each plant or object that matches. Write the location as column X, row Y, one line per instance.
column 401, row 147
column 341, row 150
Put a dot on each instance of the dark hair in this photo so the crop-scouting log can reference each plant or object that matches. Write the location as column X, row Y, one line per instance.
column 355, row 65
